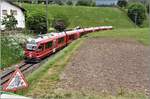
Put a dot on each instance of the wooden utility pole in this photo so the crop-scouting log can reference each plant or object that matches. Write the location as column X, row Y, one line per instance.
column 47, row 15
column 149, row 12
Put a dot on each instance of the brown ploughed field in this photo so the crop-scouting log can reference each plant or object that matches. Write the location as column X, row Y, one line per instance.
column 108, row 65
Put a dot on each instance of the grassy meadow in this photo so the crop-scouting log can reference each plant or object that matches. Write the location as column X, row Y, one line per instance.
column 140, row 34
column 86, row 16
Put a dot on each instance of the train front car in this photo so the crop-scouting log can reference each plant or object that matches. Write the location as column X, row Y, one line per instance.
column 31, row 51
column 44, row 45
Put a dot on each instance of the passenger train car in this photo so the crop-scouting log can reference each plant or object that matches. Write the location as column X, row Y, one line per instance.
column 44, row 45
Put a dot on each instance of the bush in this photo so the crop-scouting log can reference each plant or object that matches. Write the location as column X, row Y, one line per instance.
column 69, row 2
column 147, row 8
column 36, row 22
column 11, row 51
column 85, row 3
column 60, row 22
column 137, row 13
column 59, row 2
column 10, row 22
column 122, row 3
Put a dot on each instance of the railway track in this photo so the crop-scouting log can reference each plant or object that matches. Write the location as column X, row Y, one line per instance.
column 24, row 67
column 6, row 75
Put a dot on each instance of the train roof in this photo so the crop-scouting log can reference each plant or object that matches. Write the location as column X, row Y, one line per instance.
column 71, row 32
column 46, row 37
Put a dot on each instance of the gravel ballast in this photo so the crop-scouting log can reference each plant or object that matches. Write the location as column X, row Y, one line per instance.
column 103, row 64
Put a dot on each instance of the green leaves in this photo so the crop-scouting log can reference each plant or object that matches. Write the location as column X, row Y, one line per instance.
column 60, row 22
column 122, row 3
column 36, row 21
column 10, row 22
column 85, row 3
column 137, row 13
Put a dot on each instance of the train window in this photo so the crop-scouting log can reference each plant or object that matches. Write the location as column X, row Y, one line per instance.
column 41, row 48
column 72, row 37
column 61, row 40
column 31, row 47
column 49, row 44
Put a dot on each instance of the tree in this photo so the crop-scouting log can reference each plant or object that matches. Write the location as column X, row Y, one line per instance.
column 137, row 13
column 147, row 8
column 69, row 2
column 10, row 22
column 85, row 3
column 122, row 3
column 60, row 22
column 36, row 22
column 59, row 2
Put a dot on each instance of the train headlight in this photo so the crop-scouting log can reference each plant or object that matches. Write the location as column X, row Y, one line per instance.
column 30, row 55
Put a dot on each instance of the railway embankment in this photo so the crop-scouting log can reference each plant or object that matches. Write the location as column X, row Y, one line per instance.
column 108, row 64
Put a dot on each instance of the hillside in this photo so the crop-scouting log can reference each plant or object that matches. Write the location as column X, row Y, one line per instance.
column 86, row 16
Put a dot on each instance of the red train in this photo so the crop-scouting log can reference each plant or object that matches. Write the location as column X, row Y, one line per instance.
column 44, row 45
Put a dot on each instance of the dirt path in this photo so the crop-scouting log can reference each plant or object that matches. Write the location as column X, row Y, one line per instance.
column 108, row 65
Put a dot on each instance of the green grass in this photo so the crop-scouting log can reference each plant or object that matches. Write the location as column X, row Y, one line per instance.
column 146, row 22
column 86, row 16
column 140, row 34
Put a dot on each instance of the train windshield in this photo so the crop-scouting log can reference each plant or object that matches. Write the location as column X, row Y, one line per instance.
column 31, row 45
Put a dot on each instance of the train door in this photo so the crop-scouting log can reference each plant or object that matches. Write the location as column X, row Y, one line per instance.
column 48, row 47
column 61, row 42
column 40, row 50
column 54, row 45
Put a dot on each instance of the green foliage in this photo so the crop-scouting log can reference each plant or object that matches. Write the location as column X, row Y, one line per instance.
column 59, row 2
column 147, row 7
column 137, row 13
column 60, row 22
column 11, row 51
column 36, row 22
column 10, row 22
column 122, row 3
column 86, row 16
column 85, row 3
column 69, row 2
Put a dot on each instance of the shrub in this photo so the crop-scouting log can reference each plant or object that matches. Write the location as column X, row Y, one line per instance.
column 11, row 51
column 85, row 3
column 137, row 13
column 69, row 2
column 60, row 22
column 122, row 3
column 147, row 8
column 10, row 22
column 36, row 22
column 59, row 2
